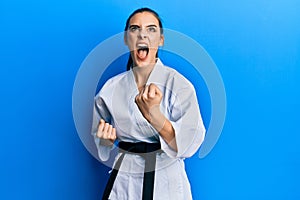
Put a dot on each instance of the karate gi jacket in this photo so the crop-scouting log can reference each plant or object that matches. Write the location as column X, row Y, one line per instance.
column 115, row 103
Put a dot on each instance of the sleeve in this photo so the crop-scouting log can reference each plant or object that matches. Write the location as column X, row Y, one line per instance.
column 100, row 111
column 187, row 122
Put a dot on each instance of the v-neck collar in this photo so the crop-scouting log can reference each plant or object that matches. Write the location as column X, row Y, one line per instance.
column 153, row 77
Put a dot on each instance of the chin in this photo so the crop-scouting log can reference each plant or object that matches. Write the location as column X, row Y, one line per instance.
column 144, row 63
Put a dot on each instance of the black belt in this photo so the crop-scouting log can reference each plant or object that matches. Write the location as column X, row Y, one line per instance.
column 148, row 152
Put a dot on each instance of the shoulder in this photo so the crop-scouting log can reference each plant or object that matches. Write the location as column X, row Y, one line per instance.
column 115, row 79
column 112, row 82
column 177, row 79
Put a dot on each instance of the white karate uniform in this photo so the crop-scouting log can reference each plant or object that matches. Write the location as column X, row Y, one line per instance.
column 115, row 103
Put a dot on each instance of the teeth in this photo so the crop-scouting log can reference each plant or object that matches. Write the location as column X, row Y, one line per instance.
column 142, row 46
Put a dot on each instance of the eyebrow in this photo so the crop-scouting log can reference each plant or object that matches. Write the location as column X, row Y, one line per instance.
column 151, row 25
column 134, row 25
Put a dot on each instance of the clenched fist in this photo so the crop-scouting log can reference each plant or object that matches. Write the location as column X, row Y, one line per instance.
column 148, row 101
column 107, row 133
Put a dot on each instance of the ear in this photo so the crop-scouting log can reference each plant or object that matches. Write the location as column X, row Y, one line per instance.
column 162, row 40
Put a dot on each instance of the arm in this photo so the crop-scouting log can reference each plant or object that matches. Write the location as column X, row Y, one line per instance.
column 182, row 132
column 148, row 101
column 103, row 132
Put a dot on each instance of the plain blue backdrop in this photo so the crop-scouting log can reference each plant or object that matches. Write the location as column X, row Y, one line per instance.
column 255, row 44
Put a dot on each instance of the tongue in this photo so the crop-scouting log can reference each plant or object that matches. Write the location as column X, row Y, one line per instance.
column 142, row 54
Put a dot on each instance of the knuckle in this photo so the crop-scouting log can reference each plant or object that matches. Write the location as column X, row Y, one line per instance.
column 105, row 136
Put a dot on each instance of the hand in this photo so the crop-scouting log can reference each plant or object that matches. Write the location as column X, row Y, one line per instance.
column 106, row 133
column 148, row 101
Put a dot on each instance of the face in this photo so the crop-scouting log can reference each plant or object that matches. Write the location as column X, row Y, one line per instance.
column 143, row 38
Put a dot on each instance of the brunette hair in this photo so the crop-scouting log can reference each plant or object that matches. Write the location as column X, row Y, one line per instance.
column 140, row 10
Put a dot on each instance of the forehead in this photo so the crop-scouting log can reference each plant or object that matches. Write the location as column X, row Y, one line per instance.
column 144, row 18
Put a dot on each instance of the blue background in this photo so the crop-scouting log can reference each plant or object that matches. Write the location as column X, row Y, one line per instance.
column 255, row 44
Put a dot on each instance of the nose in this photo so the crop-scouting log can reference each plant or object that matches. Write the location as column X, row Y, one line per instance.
column 143, row 33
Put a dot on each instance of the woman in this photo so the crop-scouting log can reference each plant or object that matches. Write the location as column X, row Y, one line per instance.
column 153, row 112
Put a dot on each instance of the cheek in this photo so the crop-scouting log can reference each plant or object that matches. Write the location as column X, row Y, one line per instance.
column 130, row 40
column 155, row 41
column 155, row 38
column 130, row 44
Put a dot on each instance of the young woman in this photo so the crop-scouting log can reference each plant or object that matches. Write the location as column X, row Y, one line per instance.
column 153, row 112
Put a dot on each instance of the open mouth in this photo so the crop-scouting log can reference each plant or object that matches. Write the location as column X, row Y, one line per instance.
column 142, row 51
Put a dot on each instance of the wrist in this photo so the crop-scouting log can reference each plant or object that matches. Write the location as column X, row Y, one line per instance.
column 157, row 119
column 106, row 142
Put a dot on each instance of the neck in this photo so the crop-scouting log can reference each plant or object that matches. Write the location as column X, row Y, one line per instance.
column 141, row 74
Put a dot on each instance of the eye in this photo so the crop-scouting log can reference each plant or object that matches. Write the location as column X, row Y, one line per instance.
column 133, row 28
column 152, row 29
